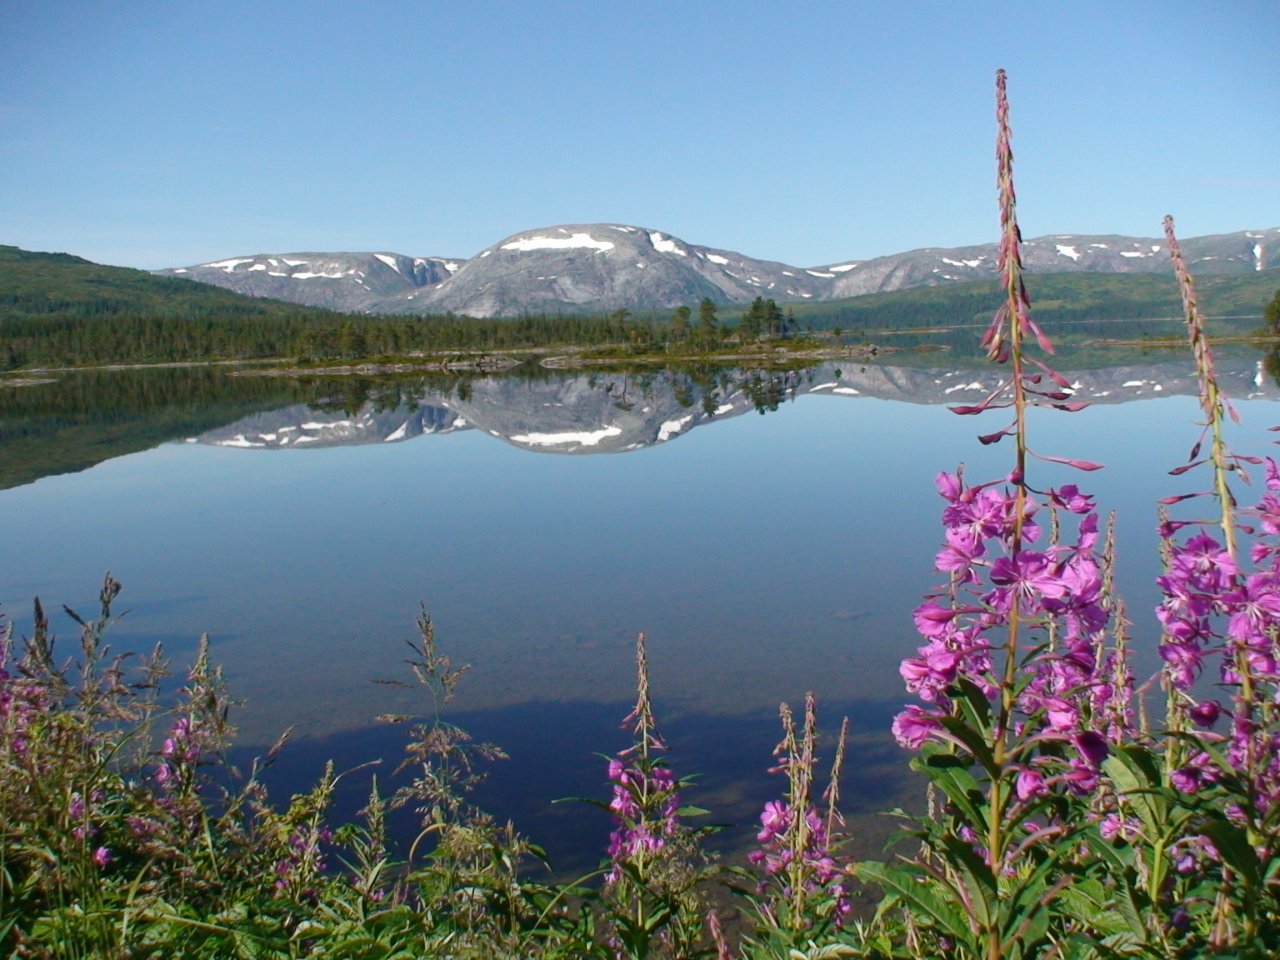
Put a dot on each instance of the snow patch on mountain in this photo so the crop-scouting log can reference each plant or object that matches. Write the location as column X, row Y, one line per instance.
column 229, row 265
column 584, row 240
column 665, row 245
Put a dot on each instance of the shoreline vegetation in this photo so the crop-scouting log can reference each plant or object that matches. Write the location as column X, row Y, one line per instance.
column 785, row 353
column 1074, row 811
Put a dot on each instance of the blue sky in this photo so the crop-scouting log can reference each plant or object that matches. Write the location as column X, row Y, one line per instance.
column 163, row 134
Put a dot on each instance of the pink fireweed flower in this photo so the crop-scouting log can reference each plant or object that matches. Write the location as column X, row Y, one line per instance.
column 1030, row 784
column 1205, row 714
column 1092, row 747
column 1255, row 608
column 1183, row 663
column 1061, row 714
column 1187, row 779
column 1027, row 579
column 1113, row 826
column 1204, row 564
column 933, row 619
column 962, row 552
column 775, row 819
column 645, row 807
column 776, row 855
column 1069, row 497
column 914, row 725
column 1080, row 777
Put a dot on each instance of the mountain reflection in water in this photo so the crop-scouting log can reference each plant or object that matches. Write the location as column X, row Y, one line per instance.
column 620, row 412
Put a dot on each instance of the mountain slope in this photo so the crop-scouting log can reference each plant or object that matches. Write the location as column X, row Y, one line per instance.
column 603, row 267
column 1249, row 250
column 337, row 281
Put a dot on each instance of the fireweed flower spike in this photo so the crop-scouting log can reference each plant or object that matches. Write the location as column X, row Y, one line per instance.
column 797, row 850
column 645, row 795
column 1017, row 683
column 1222, row 606
column 649, row 876
column 1220, row 621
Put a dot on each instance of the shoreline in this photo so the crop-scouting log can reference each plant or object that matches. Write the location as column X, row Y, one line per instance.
column 498, row 361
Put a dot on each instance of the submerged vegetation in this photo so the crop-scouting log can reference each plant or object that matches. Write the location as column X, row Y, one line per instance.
column 1069, row 815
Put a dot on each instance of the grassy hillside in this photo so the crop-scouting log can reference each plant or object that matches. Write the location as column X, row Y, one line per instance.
column 43, row 285
column 58, row 309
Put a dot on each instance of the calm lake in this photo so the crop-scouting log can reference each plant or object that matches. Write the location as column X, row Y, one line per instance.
column 769, row 533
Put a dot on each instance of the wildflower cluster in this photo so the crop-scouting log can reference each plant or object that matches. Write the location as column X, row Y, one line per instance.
column 1070, row 690
column 803, row 885
column 1218, row 763
column 1023, row 695
column 645, row 806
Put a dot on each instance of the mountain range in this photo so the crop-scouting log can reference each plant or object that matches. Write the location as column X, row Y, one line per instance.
column 603, row 267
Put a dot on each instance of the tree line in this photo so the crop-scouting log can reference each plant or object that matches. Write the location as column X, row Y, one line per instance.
column 109, row 331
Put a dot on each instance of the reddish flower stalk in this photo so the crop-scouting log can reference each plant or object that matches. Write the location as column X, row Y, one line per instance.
column 1014, row 317
column 651, row 878
column 1212, row 401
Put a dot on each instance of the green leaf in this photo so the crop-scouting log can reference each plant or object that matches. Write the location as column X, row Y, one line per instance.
column 1086, row 902
column 951, row 775
column 980, row 882
column 1135, row 776
column 1131, row 910
column 917, row 892
column 1236, row 851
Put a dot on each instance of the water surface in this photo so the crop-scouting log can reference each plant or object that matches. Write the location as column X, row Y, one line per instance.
column 762, row 555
